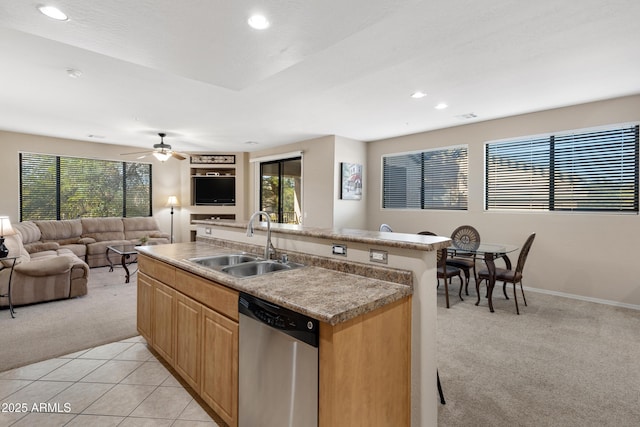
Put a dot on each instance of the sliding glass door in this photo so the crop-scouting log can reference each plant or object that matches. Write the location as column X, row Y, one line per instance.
column 280, row 190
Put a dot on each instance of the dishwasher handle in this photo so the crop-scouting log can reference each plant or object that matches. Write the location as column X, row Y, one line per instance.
column 296, row 325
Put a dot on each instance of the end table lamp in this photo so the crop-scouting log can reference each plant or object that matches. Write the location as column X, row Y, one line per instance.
column 5, row 230
column 172, row 202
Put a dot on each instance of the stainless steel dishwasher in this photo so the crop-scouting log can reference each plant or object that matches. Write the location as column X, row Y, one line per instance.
column 278, row 366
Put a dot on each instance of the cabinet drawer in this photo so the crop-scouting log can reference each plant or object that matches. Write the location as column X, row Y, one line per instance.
column 157, row 269
column 217, row 297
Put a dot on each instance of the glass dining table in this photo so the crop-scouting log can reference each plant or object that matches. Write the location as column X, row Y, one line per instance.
column 490, row 252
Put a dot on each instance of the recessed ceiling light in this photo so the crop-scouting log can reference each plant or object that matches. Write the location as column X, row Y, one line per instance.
column 258, row 22
column 53, row 13
column 418, row 94
column 441, row 106
column 251, row 142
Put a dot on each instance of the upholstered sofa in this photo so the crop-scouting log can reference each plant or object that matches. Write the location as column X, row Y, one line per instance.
column 54, row 256
column 46, row 274
column 89, row 238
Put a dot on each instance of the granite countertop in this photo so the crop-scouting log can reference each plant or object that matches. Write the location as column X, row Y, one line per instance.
column 323, row 294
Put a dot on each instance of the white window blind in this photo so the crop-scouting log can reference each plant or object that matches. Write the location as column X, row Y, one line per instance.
column 518, row 174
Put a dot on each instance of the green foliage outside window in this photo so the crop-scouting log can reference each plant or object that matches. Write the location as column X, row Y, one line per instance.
column 280, row 187
column 54, row 187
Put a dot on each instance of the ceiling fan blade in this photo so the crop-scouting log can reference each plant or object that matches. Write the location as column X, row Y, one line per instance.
column 137, row 152
column 160, row 148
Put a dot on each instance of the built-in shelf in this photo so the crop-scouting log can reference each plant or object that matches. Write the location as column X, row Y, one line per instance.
column 200, row 217
column 207, row 168
column 213, row 171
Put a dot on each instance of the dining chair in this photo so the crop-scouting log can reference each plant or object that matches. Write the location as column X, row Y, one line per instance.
column 444, row 271
column 440, row 392
column 386, row 227
column 465, row 237
column 511, row 276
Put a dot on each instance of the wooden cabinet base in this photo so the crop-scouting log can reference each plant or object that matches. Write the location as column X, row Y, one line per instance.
column 192, row 324
column 220, row 365
column 364, row 363
column 365, row 369
column 188, row 340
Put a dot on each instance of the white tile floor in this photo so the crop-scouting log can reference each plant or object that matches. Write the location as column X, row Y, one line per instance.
column 117, row 384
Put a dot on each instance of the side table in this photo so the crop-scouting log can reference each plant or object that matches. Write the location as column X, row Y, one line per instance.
column 125, row 252
column 8, row 294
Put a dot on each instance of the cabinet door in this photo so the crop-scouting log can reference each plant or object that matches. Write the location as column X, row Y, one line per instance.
column 163, row 320
column 220, row 365
column 188, row 340
column 145, row 306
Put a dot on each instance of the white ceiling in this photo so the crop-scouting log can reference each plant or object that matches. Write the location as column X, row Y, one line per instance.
column 195, row 70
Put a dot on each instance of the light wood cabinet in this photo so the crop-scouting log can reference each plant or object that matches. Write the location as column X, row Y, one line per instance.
column 188, row 340
column 145, row 303
column 220, row 365
column 193, row 324
column 164, row 300
column 364, row 363
column 365, row 369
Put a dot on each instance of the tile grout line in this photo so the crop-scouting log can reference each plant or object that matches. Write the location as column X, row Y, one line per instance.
column 151, row 358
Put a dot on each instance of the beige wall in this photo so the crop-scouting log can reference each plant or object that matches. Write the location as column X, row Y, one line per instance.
column 349, row 213
column 587, row 255
column 166, row 177
column 318, row 178
column 321, row 163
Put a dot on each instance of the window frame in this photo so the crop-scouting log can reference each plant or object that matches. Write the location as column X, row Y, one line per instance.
column 423, row 202
column 555, row 157
column 280, row 214
column 59, row 160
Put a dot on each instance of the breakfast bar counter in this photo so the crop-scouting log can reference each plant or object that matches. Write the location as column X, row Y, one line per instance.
column 369, row 291
column 326, row 295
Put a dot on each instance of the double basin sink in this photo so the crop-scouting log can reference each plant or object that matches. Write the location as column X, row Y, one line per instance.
column 244, row 265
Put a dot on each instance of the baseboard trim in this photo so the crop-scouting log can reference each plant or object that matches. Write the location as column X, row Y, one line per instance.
column 583, row 298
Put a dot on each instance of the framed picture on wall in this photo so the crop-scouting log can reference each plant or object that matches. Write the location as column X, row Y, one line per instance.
column 351, row 181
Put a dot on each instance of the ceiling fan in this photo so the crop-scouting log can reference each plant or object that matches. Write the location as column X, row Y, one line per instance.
column 160, row 151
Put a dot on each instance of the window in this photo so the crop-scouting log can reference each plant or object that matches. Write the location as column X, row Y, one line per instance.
column 280, row 186
column 54, row 187
column 588, row 170
column 434, row 179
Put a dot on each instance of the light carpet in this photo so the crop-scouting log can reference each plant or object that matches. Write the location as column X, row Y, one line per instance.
column 562, row 362
column 43, row 331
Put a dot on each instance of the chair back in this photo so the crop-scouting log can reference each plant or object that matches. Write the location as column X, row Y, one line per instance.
column 427, row 233
column 466, row 237
column 386, row 227
column 522, row 258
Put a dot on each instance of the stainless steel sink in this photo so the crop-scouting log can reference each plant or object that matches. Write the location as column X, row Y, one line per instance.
column 224, row 260
column 243, row 265
column 256, row 268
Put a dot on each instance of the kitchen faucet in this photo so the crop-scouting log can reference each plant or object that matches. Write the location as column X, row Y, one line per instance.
column 269, row 246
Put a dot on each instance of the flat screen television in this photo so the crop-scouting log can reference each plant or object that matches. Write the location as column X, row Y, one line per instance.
column 214, row 190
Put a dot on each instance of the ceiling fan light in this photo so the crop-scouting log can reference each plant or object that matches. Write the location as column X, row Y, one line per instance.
column 163, row 156
column 53, row 13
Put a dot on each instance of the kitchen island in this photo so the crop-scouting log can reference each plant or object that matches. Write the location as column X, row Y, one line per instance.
column 365, row 320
